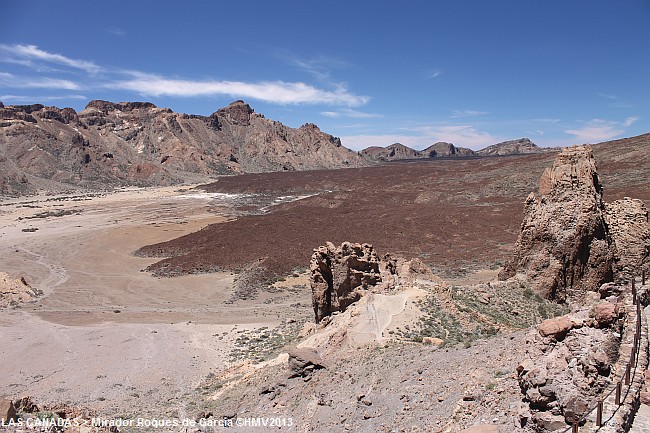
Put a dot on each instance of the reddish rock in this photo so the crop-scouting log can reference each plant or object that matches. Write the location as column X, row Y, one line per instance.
column 575, row 408
column 303, row 362
column 556, row 327
column 606, row 313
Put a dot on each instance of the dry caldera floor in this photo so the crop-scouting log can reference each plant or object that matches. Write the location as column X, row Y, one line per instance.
column 105, row 334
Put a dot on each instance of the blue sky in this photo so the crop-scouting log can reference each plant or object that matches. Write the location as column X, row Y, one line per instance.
column 371, row 72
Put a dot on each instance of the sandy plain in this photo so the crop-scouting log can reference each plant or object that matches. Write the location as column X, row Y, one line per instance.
column 105, row 334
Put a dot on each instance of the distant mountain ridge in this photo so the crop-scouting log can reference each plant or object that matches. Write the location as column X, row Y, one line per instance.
column 515, row 147
column 398, row 151
column 137, row 143
column 441, row 149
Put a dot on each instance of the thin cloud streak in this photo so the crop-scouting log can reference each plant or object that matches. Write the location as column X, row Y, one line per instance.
column 597, row 130
column 29, row 53
column 457, row 114
column 37, row 99
column 278, row 92
column 13, row 81
column 320, row 67
column 148, row 84
column 354, row 114
column 630, row 121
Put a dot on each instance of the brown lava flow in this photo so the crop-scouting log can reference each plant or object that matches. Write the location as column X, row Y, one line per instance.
column 454, row 214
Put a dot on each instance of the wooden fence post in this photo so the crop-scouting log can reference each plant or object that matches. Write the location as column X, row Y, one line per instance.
column 574, row 429
column 599, row 414
column 627, row 373
column 643, row 277
column 617, row 398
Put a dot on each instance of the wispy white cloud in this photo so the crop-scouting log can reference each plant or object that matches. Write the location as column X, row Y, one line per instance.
column 116, row 31
column 547, row 120
column 319, row 67
column 39, row 99
column 435, row 73
column 8, row 80
column 348, row 112
column 29, row 54
column 148, row 84
column 278, row 92
column 457, row 114
column 630, row 121
column 615, row 100
column 597, row 130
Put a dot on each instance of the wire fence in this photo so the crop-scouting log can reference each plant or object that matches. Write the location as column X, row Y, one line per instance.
column 625, row 382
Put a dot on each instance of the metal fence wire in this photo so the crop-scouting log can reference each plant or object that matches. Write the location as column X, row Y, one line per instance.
column 627, row 376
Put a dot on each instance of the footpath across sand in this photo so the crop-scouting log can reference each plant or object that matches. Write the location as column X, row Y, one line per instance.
column 106, row 334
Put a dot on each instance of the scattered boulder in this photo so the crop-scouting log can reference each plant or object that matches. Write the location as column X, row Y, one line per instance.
column 303, row 362
column 605, row 313
column 548, row 422
column 564, row 248
column 432, row 341
column 557, row 327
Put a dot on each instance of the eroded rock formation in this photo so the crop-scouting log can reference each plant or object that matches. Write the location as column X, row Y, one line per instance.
column 564, row 248
column 627, row 222
column 15, row 291
column 341, row 275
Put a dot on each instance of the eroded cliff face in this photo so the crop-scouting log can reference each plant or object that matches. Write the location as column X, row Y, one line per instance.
column 564, row 248
column 340, row 276
column 141, row 144
column 627, row 222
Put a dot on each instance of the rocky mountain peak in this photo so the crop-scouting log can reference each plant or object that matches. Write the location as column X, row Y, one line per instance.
column 574, row 168
column 512, row 147
column 238, row 113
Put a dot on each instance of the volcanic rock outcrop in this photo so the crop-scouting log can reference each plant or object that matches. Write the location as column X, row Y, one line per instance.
column 627, row 222
column 341, row 275
column 564, row 248
column 15, row 291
